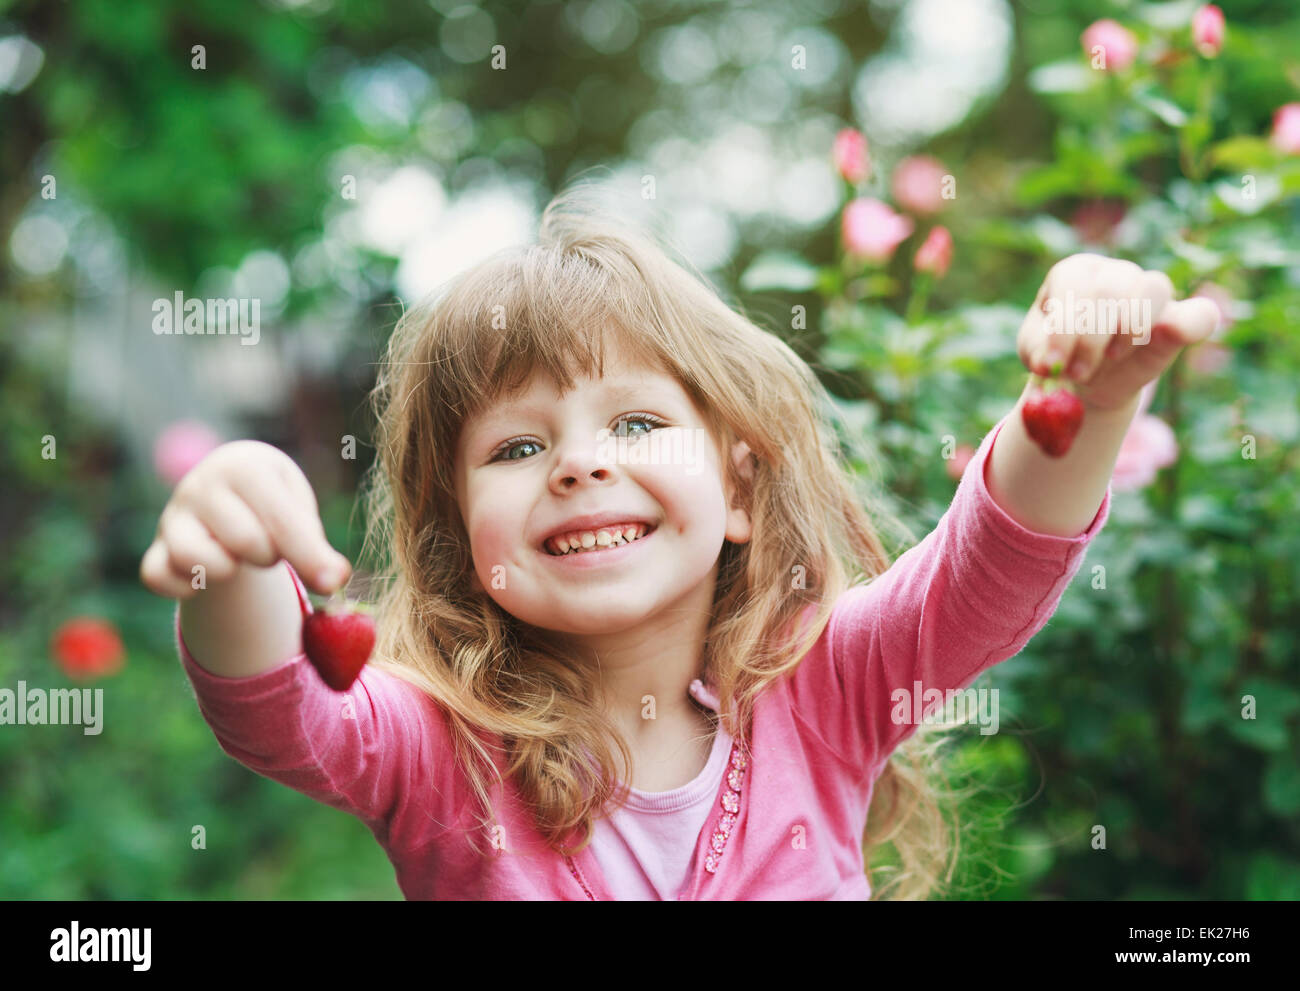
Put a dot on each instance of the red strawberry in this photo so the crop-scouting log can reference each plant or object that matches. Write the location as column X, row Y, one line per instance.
column 1053, row 419
column 338, row 645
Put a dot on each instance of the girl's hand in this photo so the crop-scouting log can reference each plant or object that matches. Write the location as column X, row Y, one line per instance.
column 1111, row 325
column 245, row 502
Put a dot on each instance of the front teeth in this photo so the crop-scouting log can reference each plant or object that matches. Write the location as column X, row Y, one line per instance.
column 588, row 540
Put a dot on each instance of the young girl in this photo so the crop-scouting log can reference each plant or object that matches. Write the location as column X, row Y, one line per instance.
column 637, row 636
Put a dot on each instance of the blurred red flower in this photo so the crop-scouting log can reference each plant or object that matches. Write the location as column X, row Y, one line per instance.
column 1095, row 220
column 88, row 647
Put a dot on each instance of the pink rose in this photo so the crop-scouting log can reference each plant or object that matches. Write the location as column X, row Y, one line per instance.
column 1207, row 30
column 956, row 465
column 1148, row 446
column 918, row 184
column 1286, row 128
column 1208, row 357
column 1095, row 220
column 935, row 255
column 180, row 447
column 1119, row 45
column 872, row 230
column 852, row 160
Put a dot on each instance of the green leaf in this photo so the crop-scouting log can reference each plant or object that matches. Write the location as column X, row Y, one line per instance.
column 1248, row 197
column 1197, row 132
column 830, row 281
column 1244, row 152
column 1168, row 111
column 1202, row 259
column 1203, row 706
column 1064, row 76
column 1274, row 702
column 779, row 270
column 1271, row 878
column 1279, row 698
column 1282, row 785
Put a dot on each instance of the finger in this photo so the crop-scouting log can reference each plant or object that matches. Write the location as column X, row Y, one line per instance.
column 1057, row 343
column 235, row 526
column 1109, row 317
column 337, row 568
column 295, row 531
column 1159, row 289
column 1031, row 342
column 190, row 545
column 1178, row 325
column 156, row 574
column 1191, row 320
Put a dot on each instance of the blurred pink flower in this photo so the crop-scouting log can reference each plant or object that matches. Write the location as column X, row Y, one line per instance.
column 918, row 184
column 1148, row 446
column 180, row 447
column 1207, row 30
column 1119, row 45
column 935, row 255
column 1147, row 394
column 1208, row 357
column 1286, row 128
column 852, row 160
column 956, row 465
column 871, row 229
column 1095, row 220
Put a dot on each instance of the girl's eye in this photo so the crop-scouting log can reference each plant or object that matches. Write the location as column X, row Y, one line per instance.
column 653, row 421
column 503, row 452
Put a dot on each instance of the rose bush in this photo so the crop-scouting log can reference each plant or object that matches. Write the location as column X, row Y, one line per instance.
column 1162, row 695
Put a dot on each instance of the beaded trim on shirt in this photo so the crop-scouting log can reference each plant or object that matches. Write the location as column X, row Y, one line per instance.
column 730, row 807
column 573, row 869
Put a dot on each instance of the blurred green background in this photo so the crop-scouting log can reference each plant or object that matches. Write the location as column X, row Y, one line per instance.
column 337, row 159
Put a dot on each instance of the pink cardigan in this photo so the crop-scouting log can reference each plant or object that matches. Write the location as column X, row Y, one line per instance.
column 788, row 818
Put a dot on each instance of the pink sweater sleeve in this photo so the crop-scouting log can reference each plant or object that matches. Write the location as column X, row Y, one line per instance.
column 380, row 750
column 970, row 594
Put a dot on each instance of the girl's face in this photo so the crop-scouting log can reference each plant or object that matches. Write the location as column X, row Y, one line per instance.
column 631, row 444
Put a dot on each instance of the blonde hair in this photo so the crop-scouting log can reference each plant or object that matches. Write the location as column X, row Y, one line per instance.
column 550, row 307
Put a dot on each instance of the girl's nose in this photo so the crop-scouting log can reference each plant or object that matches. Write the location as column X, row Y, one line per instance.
column 581, row 462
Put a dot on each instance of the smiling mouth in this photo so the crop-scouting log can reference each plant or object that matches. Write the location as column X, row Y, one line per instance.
column 595, row 541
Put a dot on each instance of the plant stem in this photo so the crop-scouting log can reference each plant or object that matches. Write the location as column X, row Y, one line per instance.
column 920, row 295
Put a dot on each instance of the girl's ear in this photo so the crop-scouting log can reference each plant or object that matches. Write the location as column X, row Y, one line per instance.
column 739, row 525
column 742, row 456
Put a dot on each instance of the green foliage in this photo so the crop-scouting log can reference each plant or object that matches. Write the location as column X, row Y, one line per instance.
column 1159, row 704
column 1126, row 711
